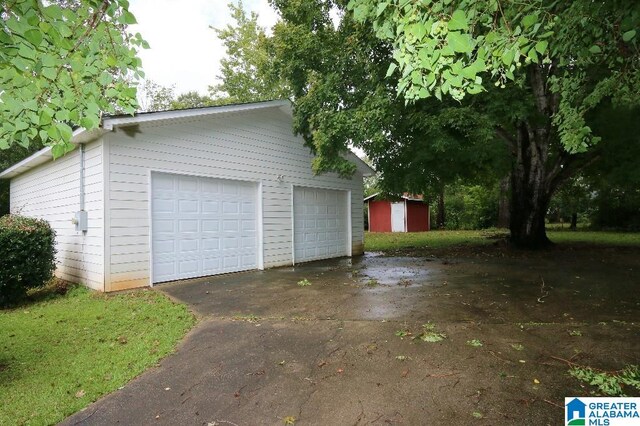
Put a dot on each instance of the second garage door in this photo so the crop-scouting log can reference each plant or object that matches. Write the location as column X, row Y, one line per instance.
column 202, row 226
column 320, row 223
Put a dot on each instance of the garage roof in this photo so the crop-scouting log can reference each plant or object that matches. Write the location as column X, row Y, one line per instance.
column 111, row 122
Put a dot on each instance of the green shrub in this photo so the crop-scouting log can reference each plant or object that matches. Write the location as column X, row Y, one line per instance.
column 27, row 256
column 471, row 206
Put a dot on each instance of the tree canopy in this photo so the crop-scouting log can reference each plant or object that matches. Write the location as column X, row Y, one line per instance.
column 63, row 64
column 246, row 71
column 588, row 49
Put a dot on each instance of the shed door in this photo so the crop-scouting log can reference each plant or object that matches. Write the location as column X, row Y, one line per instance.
column 320, row 224
column 397, row 217
column 202, row 226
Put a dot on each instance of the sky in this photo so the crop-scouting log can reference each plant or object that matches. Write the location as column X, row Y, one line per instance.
column 184, row 51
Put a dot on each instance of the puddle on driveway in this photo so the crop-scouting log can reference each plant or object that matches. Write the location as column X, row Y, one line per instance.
column 400, row 271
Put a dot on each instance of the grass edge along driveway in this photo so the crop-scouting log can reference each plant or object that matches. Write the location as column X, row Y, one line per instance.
column 59, row 355
column 437, row 239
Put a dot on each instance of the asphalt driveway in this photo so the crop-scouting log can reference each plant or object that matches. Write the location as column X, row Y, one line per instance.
column 343, row 350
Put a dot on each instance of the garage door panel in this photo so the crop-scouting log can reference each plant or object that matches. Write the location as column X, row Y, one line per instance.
column 202, row 226
column 320, row 223
column 209, row 206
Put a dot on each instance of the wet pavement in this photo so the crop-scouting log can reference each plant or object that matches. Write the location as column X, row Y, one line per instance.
column 341, row 351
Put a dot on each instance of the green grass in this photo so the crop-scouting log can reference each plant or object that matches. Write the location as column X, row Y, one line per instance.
column 385, row 241
column 595, row 237
column 59, row 355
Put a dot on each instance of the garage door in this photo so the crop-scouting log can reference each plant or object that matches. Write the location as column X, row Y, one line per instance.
column 320, row 224
column 202, row 226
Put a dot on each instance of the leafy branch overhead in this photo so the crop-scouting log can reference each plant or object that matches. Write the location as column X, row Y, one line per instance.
column 62, row 66
column 454, row 48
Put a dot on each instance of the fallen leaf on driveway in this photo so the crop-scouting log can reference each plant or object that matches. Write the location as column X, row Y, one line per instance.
column 289, row 420
column 340, row 370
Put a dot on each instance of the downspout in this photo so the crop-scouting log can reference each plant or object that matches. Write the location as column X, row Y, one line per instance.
column 82, row 177
column 80, row 219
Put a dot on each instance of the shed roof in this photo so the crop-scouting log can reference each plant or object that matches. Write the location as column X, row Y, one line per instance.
column 109, row 123
column 404, row 196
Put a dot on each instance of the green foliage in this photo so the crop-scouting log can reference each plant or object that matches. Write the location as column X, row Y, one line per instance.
column 471, row 206
column 429, row 334
column 475, row 343
column 304, row 283
column 573, row 197
column 372, row 283
column 609, row 383
column 456, row 48
column 338, row 76
column 246, row 70
column 27, row 256
column 192, row 100
column 402, row 333
column 614, row 180
column 154, row 96
column 68, row 351
column 63, row 65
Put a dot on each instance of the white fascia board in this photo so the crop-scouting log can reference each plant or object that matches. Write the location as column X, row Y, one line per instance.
column 371, row 196
column 33, row 160
column 79, row 136
column 151, row 117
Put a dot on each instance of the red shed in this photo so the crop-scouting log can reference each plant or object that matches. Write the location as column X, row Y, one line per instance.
column 410, row 214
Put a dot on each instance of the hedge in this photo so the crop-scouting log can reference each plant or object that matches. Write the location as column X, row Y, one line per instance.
column 27, row 256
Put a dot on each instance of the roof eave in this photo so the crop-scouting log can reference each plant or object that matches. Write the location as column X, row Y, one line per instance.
column 40, row 157
column 79, row 136
column 109, row 123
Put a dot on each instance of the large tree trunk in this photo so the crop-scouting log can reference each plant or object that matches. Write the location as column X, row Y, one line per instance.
column 503, row 203
column 534, row 178
column 530, row 192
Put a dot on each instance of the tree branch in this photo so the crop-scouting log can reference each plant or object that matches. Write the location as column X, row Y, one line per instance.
column 505, row 136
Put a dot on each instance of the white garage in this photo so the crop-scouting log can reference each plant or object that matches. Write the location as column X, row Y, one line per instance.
column 173, row 195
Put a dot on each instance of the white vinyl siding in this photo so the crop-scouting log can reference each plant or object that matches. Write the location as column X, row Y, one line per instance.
column 257, row 146
column 51, row 192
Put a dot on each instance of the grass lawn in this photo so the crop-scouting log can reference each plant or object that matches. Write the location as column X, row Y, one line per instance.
column 379, row 241
column 59, row 355
column 384, row 241
column 595, row 237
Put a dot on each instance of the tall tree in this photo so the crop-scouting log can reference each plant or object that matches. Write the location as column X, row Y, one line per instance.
column 192, row 99
column 563, row 57
column 62, row 65
column 343, row 95
column 246, row 71
column 153, row 96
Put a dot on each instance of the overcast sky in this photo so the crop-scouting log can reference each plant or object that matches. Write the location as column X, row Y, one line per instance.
column 184, row 51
